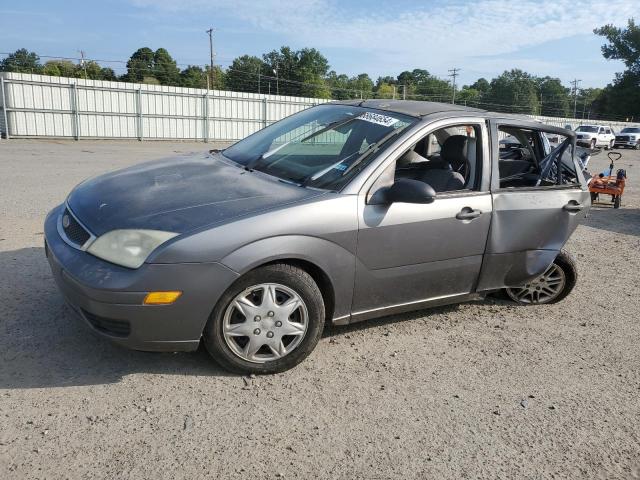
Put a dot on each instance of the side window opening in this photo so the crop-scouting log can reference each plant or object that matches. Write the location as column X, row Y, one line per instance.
column 531, row 158
column 448, row 159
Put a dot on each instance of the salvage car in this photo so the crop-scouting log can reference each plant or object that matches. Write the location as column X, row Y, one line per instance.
column 629, row 137
column 343, row 212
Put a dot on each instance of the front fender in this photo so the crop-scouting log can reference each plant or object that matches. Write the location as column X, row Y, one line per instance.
column 334, row 260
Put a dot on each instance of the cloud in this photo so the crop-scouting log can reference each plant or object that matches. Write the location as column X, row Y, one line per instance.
column 439, row 35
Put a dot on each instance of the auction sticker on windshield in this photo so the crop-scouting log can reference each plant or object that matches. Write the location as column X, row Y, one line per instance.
column 377, row 118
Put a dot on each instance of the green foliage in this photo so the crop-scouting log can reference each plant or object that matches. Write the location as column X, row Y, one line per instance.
column 514, row 90
column 245, row 74
column 421, row 85
column 21, row 61
column 624, row 44
column 165, row 68
column 140, row 65
column 554, row 98
column 622, row 97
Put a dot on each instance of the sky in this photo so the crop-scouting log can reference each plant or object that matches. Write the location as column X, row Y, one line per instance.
column 380, row 37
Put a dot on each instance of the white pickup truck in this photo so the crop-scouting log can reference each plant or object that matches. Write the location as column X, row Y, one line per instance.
column 595, row 136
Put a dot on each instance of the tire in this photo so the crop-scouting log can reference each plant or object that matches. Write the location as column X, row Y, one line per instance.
column 593, row 144
column 564, row 267
column 617, row 201
column 232, row 350
column 611, row 145
column 637, row 147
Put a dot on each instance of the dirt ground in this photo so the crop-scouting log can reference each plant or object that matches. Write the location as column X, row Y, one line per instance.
column 480, row 390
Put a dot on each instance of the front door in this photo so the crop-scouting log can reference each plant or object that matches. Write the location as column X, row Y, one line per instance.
column 412, row 254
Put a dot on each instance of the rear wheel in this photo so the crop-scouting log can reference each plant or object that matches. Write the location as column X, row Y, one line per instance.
column 268, row 321
column 552, row 286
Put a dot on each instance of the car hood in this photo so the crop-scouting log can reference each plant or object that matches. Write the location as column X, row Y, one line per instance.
column 178, row 195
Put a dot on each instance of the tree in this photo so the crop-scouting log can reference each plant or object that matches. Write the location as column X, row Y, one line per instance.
column 420, row 84
column 244, row 72
column 384, row 90
column 59, row 68
column 622, row 98
column 140, row 65
column 554, row 99
column 362, row 86
column 193, row 77
column 513, row 91
column 339, row 86
column 21, row 61
column 165, row 68
column 482, row 86
column 624, row 44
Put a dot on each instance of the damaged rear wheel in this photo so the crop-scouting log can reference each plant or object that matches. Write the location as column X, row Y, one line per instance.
column 553, row 285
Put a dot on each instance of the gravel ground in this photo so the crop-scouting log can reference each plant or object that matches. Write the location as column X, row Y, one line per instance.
column 480, row 390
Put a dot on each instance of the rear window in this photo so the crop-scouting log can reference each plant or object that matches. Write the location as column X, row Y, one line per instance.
column 587, row 129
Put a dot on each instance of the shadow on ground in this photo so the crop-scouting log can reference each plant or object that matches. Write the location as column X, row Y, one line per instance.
column 43, row 343
column 617, row 220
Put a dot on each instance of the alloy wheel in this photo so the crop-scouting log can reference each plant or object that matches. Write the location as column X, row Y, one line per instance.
column 543, row 289
column 265, row 322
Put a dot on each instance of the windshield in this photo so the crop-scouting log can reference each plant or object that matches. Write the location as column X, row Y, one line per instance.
column 630, row 130
column 587, row 129
column 322, row 147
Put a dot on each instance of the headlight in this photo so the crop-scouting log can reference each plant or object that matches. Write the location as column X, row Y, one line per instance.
column 633, row 138
column 129, row 248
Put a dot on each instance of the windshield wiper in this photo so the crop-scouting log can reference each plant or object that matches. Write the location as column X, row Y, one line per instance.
column 253, row 164
column 374, row 147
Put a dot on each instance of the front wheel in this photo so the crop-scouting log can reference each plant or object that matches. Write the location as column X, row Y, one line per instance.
column 611, row 145
column 268, row 321
column 593, row 144
column 617, row 201
column 552, row 286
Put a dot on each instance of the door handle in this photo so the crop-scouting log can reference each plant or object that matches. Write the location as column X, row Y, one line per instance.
column 573, row 207
column 468, row 214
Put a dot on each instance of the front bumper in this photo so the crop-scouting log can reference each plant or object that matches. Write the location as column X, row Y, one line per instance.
column 619, row 144
column 109, row 298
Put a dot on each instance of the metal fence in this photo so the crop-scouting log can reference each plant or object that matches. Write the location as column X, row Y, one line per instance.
column 59, row 107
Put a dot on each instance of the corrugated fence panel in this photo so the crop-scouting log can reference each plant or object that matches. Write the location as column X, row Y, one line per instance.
column 43, row 106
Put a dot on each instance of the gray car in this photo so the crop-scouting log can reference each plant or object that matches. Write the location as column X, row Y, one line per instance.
column 340, row 213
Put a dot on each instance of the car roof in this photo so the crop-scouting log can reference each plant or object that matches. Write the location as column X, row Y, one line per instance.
column 413, row 108
column 435, row 110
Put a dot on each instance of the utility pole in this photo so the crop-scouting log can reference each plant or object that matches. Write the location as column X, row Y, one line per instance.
column 82, row 64
column 404, row 92
column 454, row 73
column 211, row 55
column 394, row 91
column 575, row 95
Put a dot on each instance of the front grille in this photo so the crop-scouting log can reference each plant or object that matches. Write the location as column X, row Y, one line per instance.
column 73, row 230
column 622, row 138
column 110, row 326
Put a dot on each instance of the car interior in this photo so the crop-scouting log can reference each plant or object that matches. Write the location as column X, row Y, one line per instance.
column 528, row 159
column 446, row 159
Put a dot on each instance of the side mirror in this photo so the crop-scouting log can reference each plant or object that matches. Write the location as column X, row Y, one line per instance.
column 404, row 190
